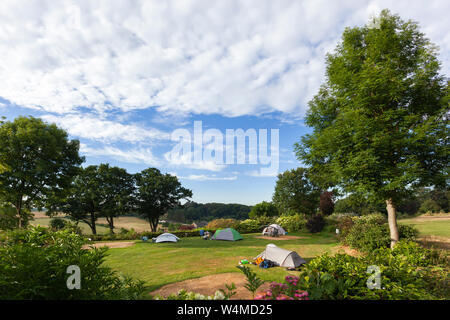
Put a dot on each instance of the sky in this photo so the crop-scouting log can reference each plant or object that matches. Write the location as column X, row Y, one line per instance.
column 123, row 76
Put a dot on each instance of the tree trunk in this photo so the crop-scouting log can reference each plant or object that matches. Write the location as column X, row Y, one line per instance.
column 392, row 219
column 153, row 225
column 19, row 215
column 93, row 227
column 111, row 224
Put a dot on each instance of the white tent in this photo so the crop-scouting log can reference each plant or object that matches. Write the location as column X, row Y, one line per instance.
column 274, row 230
column 166, row 237
column 281, row 257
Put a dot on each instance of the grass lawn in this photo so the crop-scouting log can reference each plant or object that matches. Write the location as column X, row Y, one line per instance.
column 164, row 263
column 430, row 226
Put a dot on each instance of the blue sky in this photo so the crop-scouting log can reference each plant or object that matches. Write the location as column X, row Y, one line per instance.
column 121, row 76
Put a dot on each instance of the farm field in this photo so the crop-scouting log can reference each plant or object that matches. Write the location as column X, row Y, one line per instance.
column 438, row 225
column 128, row 223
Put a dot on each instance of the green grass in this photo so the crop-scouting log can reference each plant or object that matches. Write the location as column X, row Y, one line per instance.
column 428, row 227
column 164, row 263
column 45, row 222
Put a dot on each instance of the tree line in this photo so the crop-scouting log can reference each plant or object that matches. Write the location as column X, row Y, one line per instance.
column 193, row 211
column 41, row 168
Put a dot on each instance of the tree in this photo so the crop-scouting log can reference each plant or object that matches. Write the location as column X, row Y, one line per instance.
column 326, row 204
column 156, row 194
column 263, row 209
column 40, row 163
column 380, row 121
column 295, row 191
column 116, row 188
column 100, row 191
column 85, row 199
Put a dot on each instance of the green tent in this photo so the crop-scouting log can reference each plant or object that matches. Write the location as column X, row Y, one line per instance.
column 228, row 234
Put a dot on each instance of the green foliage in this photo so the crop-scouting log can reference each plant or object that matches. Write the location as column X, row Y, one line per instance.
column 380, row 124
column 34, row 264
column 429, row 206
column 193, row 211
column 57, row 223
column 9, row 218
column 156, row 194
column 407, row 272
column 263, row 209
column 315, row 223
column 292, row 223
column 253, row 282
column 41, row 163
column 371, row 232
column 295, row 191
column 249, row 226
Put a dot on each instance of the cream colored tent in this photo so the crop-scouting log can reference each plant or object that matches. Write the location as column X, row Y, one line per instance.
column 274, row 230
column 281, row 257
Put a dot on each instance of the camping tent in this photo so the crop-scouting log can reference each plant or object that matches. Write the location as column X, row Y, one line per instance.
column 281, row 257
column 274, row 230
column 166, row 237
column 227, row 234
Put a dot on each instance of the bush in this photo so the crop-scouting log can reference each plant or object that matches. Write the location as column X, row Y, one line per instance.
column 9, row 219
column 34, row 266
column 429, row 206
column 57, row 223
column 292, row 223
column 407, row 272
column 284, row 291
column 315, row 223
column 371, row 232
column 222, row 223
column 249, row 226
column 263, row 209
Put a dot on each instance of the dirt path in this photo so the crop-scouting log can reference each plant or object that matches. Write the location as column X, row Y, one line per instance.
column 208, row 285
column 116, row 244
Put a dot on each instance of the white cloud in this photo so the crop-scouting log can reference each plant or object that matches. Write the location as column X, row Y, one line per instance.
column 133, row 155
column 202, row 177
column 227, row 57
column 94, row 128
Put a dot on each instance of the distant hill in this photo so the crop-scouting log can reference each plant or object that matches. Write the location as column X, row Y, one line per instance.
column 194, row 211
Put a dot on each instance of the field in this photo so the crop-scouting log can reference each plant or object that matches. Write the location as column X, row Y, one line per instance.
column 137, row 224
column 171, row 265
column 165, row 263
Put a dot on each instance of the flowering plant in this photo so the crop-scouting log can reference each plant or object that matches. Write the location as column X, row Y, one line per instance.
column 284, row 291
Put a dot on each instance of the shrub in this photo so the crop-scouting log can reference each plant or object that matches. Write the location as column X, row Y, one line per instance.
column 429, row 206
column 284, row 291
column 315, row 223
column 263, row 209
column 57, row 223
column 249, row 226
column 9, row 219
column 34, row 264
column 292, row 223
column 407, row 272
column 371, row 232
column 222, row 223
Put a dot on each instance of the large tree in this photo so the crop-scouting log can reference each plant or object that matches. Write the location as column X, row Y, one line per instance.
column 380, row 121
column 100, row 191
column 38, row 163
column 295, row 191
column 156, row 194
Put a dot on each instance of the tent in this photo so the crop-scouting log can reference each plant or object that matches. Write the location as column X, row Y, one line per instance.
column 274, row 230
column 281, row 257
column 227, row 234
column 166, row 237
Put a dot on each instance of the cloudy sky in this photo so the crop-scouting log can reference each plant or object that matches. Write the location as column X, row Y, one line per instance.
column 121, row 76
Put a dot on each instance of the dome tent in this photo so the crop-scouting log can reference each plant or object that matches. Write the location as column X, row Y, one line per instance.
column 274, row 230
column 228, row 234
column 167, row 237
column 281, row 257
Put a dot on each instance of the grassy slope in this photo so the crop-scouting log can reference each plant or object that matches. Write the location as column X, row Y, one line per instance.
column 164, row 263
